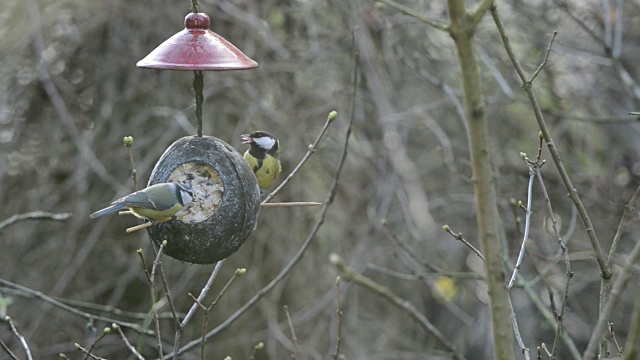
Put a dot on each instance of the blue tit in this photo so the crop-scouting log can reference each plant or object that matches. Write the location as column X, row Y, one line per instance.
column 156, row 202
column 263, row 157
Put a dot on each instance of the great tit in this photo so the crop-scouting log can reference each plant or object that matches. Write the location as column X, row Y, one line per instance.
column 263, row 157
column 156, row 202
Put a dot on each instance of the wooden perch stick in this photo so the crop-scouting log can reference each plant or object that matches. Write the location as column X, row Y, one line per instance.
column 146, row 225
column 291, row 204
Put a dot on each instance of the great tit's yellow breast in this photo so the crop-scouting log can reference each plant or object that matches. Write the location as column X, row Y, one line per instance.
column 155, row 214
column 268, row 172
column 251, row 160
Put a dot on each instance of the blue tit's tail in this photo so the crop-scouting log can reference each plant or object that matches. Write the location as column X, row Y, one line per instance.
column 108, row 210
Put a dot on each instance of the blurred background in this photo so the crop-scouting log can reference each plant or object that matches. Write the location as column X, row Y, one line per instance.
column 70, row 92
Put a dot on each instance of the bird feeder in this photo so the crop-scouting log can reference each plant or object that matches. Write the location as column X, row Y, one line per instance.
column 226, row 201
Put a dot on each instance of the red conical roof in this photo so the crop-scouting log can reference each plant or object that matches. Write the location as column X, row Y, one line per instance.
column 197, row 48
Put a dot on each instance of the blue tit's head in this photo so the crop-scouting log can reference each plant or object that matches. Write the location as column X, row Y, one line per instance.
column 184, row 193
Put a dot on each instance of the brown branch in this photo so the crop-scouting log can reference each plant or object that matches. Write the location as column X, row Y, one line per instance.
column 336, row 354
column 34, row 215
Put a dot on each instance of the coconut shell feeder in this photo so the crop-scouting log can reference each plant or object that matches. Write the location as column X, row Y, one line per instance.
column 226, row 199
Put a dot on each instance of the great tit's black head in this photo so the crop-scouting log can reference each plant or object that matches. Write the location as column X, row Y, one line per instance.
column 261, row 140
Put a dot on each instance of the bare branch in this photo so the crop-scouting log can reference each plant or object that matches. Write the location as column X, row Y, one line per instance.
column 8, row 351
column 459, row 237
column 294, row 339
column 34, row 215
column 88, row 353
column 336, row 354
column 516, row 331
column 15, row 332
column 477, row 14
column 614, row 296
column 546, row 57
column 126, row 342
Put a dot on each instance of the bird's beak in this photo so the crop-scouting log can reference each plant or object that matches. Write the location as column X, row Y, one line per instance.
column 246, row 139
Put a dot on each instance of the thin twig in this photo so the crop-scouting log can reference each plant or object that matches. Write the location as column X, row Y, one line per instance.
column 8, row 351
column 564, row 251
column 291, row 204
column 239, row 272
column 628, row 209
column 15, row 332
column 34, row 215
column 259, row 346
column 156, row 264
column 56, row 303
column 106, row 331
column 459, row 237
column 428, row 269
column 336, row 354
column 420, row 318
column 150, row 282
column 294, row 339
column 203, row 292
column 312, row 148
column 614, row 296
column 126, row 342
column 548, row 316
column 87, row 353
column 612, row 334
column 546, row 57
column 477, row 14
column 516, row 330
column 527, row 223
column 410, row 12
column 128, row 142
column 194, row 308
